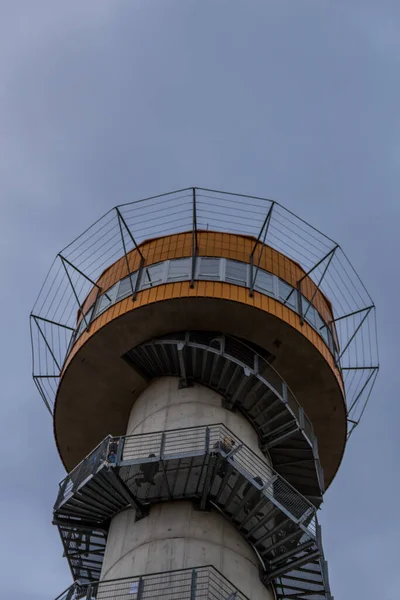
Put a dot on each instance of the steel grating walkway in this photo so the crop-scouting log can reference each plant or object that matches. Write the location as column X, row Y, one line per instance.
column 210, row 465
column 246, row 380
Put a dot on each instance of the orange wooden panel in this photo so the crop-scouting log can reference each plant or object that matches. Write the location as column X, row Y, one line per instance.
column 211, row 289
column 212, row 244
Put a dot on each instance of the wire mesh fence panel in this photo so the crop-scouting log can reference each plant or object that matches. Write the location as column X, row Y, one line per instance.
column 329, row 281
column 189, row 440
column 141, row 446
column 87, row 467
column 202, row 583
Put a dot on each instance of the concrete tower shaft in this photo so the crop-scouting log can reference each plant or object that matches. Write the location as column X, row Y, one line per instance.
column 202, row 394
column 176, row 534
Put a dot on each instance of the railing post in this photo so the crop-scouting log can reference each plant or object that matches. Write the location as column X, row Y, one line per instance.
column 120, row 450
column 140, row 588
column 193, row 585
column 207, row 443
column 162, row 445
column 61, row 491
column 299, row 303
column 138, row 279
column 89, row 592
column 195, row 244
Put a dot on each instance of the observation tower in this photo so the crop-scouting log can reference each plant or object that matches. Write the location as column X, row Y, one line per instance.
column 205, row 357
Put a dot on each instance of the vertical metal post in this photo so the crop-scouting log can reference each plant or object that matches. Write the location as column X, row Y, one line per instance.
column 162, row 445
column 120, row 450
column 299, row 302
column 195, row 245
column 251, row 272
column 207, row 442
column 138, row 278
column 89, row 592
column 93, row 309
column 193, row 585
column 140, row 588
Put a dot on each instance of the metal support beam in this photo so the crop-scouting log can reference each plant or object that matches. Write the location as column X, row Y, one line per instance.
column 355, row 312
column 331, row 254
column 140, row 589
column 356, row 331
column 280, row 439
column 362, row 390
column 85, row 526
column 295, row 564
column 129, row 231
column 195, row 244
column 119, row 216
column 52, row 322
column 193, row 585
column 182, row 366
column 231, row 402
column 125, row 492
column 207, row 482
column 74, row 291
column 297, row 550
column 264, row 229
column 138, row 278
column 47, row 344
column 65, row 260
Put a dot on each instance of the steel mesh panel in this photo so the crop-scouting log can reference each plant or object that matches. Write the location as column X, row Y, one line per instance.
column 202, row 583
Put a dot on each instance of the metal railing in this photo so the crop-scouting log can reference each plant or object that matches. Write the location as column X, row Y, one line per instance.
column 76, row 269
column 242, row 354
column 85, row 469
column 189, row 442
column 200, row 583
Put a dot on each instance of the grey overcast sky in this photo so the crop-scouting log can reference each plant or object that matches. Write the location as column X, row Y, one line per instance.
column 106, row 101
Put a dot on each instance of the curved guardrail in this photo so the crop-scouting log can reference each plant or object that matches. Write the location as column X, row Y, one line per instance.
column 78, row 266
column 199, row 583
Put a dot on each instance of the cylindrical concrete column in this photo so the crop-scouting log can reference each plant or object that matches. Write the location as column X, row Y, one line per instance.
column 175, row 535
column 163, row 406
